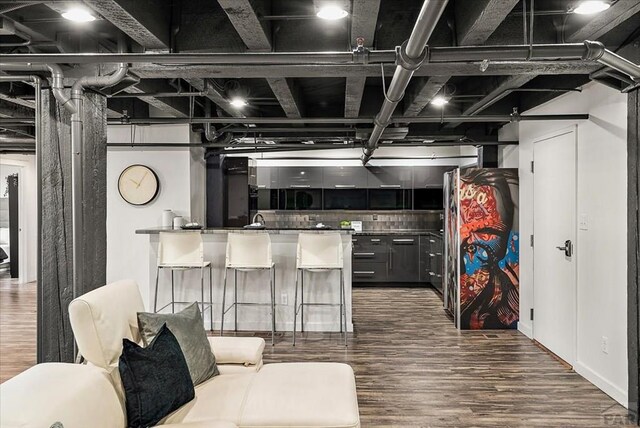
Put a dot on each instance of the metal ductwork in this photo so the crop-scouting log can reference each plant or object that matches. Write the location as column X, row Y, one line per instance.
column 411, row 55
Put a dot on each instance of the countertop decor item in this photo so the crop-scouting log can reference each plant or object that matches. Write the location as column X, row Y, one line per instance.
column 191, row 226
column 178, row 222
column 138, row 184
column 167, row 218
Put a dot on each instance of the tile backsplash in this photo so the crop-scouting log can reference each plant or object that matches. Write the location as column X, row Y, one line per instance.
column 371, row 220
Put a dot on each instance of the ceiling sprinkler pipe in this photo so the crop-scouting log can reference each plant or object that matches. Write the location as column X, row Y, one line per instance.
column 597, row 52
column 410, row 57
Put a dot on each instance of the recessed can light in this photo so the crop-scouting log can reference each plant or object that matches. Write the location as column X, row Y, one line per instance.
column 589, row 7
column 78, row 15
column 238, row 102
column 332, row 13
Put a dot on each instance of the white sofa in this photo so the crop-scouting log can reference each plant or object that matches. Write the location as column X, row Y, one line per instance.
column 245, row 394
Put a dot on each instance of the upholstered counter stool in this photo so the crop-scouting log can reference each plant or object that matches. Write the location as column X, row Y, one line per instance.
column 248, row 252
column 182, row 251
column 317, row 253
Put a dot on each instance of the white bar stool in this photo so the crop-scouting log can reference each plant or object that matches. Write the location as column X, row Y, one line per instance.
column 316, row 253
column 248, row 252
column 180, row 251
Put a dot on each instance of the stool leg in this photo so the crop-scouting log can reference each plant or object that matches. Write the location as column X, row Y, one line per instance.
column 224, row 296
column 211, row 296
column 344, row 306
column 235, row 300
column 273, row 304
column 295, row 308
column 155, row 299
column 341, row 302
column 173, row 296
column 302, row 301
column 202, row 290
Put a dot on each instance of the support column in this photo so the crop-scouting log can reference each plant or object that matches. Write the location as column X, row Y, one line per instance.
column 633, row 252
column 488, row 156
column 55, row 289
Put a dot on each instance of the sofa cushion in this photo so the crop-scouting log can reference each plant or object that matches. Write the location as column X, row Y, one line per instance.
column 188, row 328
column 302, row 395
column 202, row 424
column 219, row 398
column 156, row 379
column 237, row 350
column 76, row 395
column 102, row 317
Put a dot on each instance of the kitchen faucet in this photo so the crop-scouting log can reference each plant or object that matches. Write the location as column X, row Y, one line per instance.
column 255, row 217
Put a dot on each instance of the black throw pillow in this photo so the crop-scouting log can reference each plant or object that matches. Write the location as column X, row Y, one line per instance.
column 156, row 379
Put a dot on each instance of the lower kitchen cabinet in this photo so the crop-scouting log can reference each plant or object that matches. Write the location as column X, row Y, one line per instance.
column 386, row 258
column 431, row 260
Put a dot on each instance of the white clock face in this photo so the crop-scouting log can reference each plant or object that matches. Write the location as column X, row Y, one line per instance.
column 138, row 184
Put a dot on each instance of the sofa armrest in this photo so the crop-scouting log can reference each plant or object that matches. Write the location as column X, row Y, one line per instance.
column 76, row 395
column 246, row 351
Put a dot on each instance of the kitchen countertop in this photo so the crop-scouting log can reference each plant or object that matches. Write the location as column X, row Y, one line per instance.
column 222, row 230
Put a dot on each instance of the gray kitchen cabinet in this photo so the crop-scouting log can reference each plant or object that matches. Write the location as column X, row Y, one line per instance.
column 291, row 177
column 344, row 177
column 431, row 260
column 429, row 176
column 389, row 177
column 404, row 258
column 267, row 177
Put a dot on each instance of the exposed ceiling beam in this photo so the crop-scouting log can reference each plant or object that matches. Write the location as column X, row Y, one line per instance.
column 216, row 96
column 498, row 90
column 177, row 107
column 287, row 94
column 256, row 35
column 246, row 71
column 475, row 22
column 9, row 109
column 364, row 18
column 19, row 101
column 605, row 21
column 145, row 21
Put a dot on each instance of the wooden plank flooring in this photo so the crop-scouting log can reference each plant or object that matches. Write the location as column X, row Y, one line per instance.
column 413, row 368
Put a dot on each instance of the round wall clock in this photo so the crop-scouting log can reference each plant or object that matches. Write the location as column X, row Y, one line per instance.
column 138, row 184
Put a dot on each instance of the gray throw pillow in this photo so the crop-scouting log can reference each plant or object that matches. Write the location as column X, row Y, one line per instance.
column 188, row 329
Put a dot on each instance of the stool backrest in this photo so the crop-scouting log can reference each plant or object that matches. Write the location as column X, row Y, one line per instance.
column 319, row 250
column 249, row 250
column 182, row 248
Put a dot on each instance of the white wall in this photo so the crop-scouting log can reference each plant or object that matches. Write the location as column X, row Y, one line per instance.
column 600, row 250
column 28, row 207
column 127, row 253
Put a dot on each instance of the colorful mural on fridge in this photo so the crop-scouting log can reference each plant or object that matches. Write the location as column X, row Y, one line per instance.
column 483, row 248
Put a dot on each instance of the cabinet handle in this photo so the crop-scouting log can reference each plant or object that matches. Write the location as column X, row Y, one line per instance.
column 363, row 272
column 390, row 186
column 431, row 273
column 300, row 186
column 262, row 186
column 390, row 260
column 354, row 240
column 375, row 240
column 345, row 186
column 364, row 254
column 407, row 240
column 432, row 241
column 431, row 255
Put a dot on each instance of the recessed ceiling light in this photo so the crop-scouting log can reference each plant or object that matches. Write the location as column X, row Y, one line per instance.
column 78, row 15
column 332, row 13
column 238, row 102
column 589, row 7
column 439, row 101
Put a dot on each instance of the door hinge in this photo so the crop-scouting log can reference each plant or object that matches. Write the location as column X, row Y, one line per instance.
column 532, row 167
column 531, row 315
column 531, row 240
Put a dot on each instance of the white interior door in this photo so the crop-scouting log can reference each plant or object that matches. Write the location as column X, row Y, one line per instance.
column 554, row 244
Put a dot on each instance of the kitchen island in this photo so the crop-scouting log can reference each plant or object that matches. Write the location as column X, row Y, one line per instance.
column 254, row 286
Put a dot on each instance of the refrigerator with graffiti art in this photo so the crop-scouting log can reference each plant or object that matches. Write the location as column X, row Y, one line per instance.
column 482, row 247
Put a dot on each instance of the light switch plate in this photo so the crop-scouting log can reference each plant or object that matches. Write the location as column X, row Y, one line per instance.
column 583, row 222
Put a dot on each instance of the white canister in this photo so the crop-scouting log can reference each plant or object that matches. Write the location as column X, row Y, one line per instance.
column 167, row 218
column 178, row 222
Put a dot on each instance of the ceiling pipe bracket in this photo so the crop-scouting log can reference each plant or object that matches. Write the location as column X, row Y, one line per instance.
column 407, row 62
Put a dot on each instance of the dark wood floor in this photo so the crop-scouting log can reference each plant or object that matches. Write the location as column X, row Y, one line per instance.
column 413, row 368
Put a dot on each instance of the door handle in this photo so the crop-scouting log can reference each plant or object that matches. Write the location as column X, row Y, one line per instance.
column 567, row 248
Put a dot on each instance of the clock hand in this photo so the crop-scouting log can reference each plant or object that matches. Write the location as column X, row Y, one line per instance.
column 134, row 182
column 143, row 177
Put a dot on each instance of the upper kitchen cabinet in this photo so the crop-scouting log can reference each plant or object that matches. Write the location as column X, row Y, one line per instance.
column 389, row 177
column 429, row 176
column 292, row 177
column 267, row 177
column 345, row 177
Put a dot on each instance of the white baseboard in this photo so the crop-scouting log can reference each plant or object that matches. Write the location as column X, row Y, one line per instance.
column 525, row 329
column 607, row 387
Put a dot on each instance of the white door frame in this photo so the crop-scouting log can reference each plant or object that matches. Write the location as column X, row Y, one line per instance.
column 574, row 328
